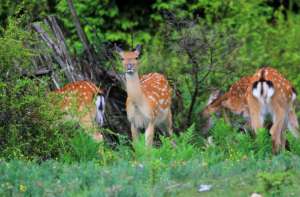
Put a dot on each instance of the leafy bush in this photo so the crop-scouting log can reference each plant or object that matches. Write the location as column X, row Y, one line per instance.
column 30, row 126
column 263, row 143
column 14, row 51
column 82, row 149
column 271, row 183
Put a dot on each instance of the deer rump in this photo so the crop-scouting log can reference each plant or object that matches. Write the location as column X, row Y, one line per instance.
column 264, row 90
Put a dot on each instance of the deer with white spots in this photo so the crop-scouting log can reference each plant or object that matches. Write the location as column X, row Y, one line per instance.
column 272, row 93
column 266, row 92
column 148, row 101
column 88, row 102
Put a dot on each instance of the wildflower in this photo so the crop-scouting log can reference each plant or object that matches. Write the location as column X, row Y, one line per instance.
column 22, row 188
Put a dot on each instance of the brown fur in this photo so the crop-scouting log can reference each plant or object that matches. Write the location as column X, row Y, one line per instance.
column 239, row 99
column 80, row 95
column 148, row 98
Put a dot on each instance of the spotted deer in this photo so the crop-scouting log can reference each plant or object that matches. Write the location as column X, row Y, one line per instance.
column 148, row 101
column 234, row 100
column 266, row 92
column 87, row 100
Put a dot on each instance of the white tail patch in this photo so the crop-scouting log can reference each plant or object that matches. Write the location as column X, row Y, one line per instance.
column 263, row 91
column 100, row 107
column 257, row 90
column 294, row 96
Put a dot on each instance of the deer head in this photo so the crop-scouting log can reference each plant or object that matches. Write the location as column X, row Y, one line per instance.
column 130, row 59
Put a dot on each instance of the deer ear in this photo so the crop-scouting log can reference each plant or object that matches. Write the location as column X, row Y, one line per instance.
column 138, row 49
column 118, row 49
column 213, row 96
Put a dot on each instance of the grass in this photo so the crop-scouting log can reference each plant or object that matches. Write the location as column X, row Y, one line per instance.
column 277, row 176
column 234, row 164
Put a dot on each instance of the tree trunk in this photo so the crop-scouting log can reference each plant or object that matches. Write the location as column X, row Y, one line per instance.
column 83, row 38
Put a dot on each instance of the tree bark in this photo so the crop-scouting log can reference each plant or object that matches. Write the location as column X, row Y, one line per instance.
column 59, row 49
column 83, row 37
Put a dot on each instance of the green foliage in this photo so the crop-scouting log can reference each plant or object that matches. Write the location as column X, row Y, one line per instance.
column 13, row 49
column 31, row 10
column 271, row 183
column 104, row 21
column 198, row 45
column 293, row 143
column 271, row 177
column 82, row 149
column 30, row 126
column 263, row 143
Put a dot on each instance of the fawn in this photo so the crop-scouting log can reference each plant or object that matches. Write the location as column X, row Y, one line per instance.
column 81, row 95
column 148, row 101
column 266, row 92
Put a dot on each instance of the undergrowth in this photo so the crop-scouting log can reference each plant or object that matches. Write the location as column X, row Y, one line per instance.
column 235, row 164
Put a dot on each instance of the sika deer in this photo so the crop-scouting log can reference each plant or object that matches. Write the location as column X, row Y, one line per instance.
column 266, row 92
column 271, row 93
column 80, row 95
column 148, row 101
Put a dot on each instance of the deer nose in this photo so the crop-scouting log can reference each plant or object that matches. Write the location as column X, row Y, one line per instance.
column 129, row 66
column 130, row 69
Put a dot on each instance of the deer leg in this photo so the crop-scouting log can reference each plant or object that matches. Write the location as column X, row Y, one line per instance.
column 279, row 120
column 277, row 135
column 226, row 116
column 169, row 123
column 293, row 124
column 134, row 132
column 149, row 134
column 256, row 117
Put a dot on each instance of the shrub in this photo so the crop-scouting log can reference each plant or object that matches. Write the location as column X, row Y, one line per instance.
column 272, row 183
column 30, row 127
column 82, row 148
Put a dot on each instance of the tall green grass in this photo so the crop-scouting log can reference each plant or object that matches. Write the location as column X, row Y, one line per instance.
column 235, row 164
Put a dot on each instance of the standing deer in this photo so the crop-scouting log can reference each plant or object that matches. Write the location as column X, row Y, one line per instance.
column 80, row 96
column 148, row 101
column 266, row 92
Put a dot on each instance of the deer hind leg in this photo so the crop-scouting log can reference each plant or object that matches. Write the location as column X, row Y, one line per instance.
column 279, row 120
column 149, row 134
column 293, row 124
column 256, row 115
column 134, row 132
column 169, row 123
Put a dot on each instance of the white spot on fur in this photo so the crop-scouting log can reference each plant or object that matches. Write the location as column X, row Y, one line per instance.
column 294, row 96
column 161, row 101
column 152, row 98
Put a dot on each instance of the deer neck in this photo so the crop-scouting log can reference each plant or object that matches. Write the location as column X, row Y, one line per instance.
column 134, row 89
